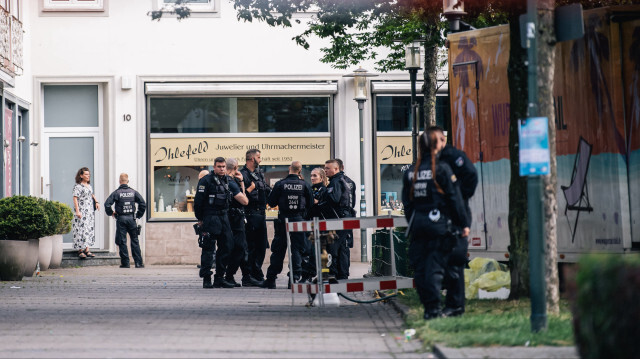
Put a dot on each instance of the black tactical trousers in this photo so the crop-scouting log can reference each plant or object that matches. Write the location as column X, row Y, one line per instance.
column 454, row 274
column 257, row 243
column 219, row 233
column 429, row 262
column 279, row 250
column 239, row 252
column 339, row 260
column 127, row 224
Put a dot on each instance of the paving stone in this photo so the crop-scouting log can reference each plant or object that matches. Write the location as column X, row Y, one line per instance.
column 163, row 312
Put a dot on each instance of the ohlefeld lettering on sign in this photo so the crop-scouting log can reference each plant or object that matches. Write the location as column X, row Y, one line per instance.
column 202, row 151
column 177, row 152
column 394, row 150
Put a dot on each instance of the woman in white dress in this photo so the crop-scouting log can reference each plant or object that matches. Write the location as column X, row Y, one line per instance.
column 84, row 233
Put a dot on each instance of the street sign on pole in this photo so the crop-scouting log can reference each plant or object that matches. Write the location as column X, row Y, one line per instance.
column 534, row 146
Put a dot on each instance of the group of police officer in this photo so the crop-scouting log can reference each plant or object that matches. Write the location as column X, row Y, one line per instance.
column 230, row 206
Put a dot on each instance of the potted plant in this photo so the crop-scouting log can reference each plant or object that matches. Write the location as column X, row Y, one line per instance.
column 64, row 227
column 21, row 218
column 51, row 228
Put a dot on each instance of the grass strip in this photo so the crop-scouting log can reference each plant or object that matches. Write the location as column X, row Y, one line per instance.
column 489, row 322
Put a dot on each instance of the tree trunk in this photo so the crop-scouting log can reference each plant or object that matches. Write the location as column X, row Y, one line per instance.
column 519, row 238
column 546, row 67
column 430, row 84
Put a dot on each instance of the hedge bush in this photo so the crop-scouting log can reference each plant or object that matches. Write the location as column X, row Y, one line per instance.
column 53, row 216
column 66, row 216
column 607, row 307
column 22, row 218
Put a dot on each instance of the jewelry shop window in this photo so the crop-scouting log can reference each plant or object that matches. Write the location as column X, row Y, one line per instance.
column 393, row 145
column 188, row 131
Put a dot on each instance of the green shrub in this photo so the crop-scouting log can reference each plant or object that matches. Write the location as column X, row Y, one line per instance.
column 53, row 216
column 22, row 218
column 66, row 216
column 606, row 311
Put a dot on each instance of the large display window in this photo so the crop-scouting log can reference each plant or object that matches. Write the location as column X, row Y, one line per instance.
column 186, row 134
column 393, row 145
column 176, row 163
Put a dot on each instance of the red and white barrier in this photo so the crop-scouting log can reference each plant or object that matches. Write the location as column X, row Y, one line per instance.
column 356, row 285
column 348, row 223
column 350, row 285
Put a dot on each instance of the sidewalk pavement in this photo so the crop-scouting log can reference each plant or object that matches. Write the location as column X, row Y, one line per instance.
column 163, row 312
column 442, row 352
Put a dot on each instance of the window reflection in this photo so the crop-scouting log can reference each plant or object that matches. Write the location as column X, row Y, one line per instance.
column 238, row 115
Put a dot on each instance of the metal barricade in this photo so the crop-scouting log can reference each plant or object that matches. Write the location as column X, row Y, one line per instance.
column 350, row 285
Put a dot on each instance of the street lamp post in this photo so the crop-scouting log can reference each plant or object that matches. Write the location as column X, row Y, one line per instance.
column 361, row 94
column 412, row 60
column 453, row 10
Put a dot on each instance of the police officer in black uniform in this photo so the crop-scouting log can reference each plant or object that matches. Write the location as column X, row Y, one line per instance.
column 239, row 253
column 211, row 205
column 257, row 191
column 293, row 196
column 467, row 176
column 339, row 200
column 435, row 211
column 352, row 193
column 125, row 199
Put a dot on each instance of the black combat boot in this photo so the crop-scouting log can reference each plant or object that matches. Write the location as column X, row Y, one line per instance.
column 249, row 281
column 219, row 282
column 232, row 281
column 269, row 284
column 432, row 314
column 452, row 312
column 206, row 282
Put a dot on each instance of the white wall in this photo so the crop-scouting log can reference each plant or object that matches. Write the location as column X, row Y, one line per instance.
column 70, row 47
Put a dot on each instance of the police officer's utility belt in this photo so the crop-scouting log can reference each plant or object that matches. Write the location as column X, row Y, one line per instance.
column 124, row 214
column 218, row 213
column 236, row 212
column 254, row 211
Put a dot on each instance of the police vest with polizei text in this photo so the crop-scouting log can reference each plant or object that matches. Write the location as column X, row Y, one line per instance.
column 292, row 200
column 125, row 201
column 425, row 193
column 219, row 193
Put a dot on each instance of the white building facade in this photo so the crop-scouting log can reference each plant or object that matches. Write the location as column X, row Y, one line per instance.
column 98, row 84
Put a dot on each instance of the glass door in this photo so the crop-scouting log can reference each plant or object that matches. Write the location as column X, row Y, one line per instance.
column 67, row 154
column 72, row 139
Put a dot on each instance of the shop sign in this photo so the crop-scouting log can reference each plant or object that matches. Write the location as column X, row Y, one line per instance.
column 202, row 151
column 394, row 150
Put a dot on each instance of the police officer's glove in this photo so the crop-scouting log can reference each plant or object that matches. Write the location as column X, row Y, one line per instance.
column 197, row 228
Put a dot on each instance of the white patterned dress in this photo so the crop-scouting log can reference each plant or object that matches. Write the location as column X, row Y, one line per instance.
column 84, row 234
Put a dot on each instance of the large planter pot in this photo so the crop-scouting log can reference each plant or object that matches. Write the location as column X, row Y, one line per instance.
column 56, row 251
column 31, row 260
column 44, row 256
column 13, row 255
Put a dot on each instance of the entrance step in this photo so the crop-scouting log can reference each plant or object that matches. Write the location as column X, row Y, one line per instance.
column 103, row 258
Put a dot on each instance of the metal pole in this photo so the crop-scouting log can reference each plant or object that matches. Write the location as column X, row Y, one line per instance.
column 318, row 248
column 363, row 199
column 413, row 74
column 534, row 189
column 286, row 223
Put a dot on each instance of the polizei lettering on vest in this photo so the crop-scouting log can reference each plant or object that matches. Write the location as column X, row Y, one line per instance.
column 422, row 175
column 126, row 194
column 293, row 187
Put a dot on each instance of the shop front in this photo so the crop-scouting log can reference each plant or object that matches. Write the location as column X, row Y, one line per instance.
column 392, row 139
column 190, row 124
